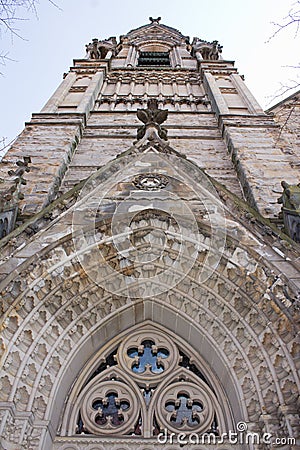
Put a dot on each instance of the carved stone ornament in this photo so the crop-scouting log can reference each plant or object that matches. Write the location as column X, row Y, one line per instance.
column 101, row 49
column 109, row 406
column 152, row 116
column 290, row 198
column 150, row 181
column 10, row 195
column 155, row 20
column 10, row 191
column 186, row 406
column 290, row 201
column 145, row 385
column 204, row 50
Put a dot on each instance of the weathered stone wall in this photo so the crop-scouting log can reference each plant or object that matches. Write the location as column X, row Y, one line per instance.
column 55, row 317
column 237, row 149
column 260, row 164
column 50, row 142
column 287, row 137
column 251, row 137
column 195, row 135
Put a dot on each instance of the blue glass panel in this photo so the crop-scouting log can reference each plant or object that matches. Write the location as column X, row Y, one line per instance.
column 184, row 410
column 148, row 358
column 110, row 410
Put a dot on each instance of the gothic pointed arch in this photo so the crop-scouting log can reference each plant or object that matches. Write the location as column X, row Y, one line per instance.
column 224, row 302
column 144, row 381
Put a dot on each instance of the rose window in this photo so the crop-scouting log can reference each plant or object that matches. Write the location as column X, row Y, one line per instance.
column 186, row 406
column 107, row 405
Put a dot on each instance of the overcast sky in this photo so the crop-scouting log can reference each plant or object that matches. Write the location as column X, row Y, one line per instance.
column 54, row 37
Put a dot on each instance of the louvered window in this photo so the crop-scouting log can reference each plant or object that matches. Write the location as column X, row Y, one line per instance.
column 154, row 59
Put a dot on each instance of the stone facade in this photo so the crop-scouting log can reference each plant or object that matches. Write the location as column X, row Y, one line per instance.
column 146, row 279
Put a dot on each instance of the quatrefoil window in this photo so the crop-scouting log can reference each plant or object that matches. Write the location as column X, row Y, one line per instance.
column 148, row 357
column 110, row 409
column 184, row 410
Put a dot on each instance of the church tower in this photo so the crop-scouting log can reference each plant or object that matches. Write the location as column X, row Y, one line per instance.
column 150, row 270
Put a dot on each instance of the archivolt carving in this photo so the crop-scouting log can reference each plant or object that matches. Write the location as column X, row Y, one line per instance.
column 49, row 319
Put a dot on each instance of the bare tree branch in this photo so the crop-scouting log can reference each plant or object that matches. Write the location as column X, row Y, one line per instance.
column 292, row 19
column 284, row 125
column 9, row 16
column 4, row 147
column 11, row 13
column 11, row 10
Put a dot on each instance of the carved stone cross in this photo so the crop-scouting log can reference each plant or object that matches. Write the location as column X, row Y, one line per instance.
column 152, row 116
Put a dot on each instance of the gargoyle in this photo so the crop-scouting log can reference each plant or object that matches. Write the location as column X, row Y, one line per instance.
column 290, row 213
column 290, row 198
column 206, row 50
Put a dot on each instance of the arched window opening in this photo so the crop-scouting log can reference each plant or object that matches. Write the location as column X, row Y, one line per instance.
column 154, row 59
column 143, row 386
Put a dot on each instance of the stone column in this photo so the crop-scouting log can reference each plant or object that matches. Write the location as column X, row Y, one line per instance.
column 128, row 59
column 131, row 57
column 177, row 56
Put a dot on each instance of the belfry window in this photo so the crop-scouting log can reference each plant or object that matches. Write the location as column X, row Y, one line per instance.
column 154, row 59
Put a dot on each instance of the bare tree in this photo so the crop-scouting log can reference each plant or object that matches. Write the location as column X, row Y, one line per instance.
column 11, row 13
column 290, row 21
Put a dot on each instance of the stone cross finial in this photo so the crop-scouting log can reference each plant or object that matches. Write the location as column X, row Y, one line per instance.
column 154, row 20
column 152, row 116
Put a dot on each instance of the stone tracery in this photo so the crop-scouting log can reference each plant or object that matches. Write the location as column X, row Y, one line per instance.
column 120, row 399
